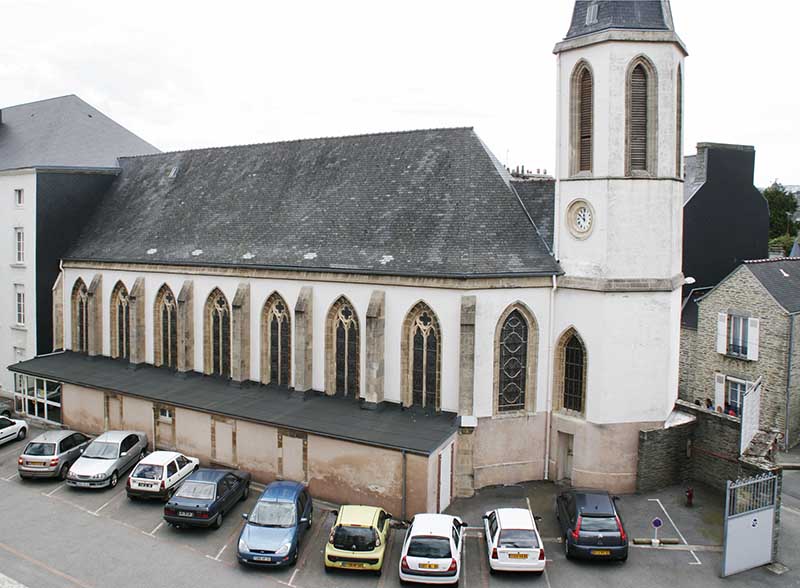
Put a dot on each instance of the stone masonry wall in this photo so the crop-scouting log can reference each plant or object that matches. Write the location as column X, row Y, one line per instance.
column 743, row 293
column 663, row 458
column 686, row 362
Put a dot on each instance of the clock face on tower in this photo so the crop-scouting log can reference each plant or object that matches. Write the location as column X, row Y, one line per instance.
column 580, row 219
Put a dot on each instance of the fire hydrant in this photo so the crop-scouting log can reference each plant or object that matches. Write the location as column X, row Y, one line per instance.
column 689, row 496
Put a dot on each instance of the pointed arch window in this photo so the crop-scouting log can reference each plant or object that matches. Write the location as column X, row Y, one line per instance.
column 275, row 341
column 423, row 358
column 80, row 317
column 641, row 118
column 342, row 349
column 582, row 114
column 513, row 363
column 218, row 335
column 571, row 373
column 165, row 323
column 120, row 322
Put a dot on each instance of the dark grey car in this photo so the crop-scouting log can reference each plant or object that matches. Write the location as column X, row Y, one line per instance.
column 51, row 454
column 6, row 407
column 592, row 525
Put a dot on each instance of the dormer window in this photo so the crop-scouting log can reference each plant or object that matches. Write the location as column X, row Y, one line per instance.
column 591, row 14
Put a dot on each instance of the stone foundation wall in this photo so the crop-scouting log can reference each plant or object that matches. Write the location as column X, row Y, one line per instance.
column 663, row 457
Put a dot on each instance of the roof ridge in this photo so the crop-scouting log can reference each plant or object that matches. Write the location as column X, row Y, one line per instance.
column 769, row 260
column 42, row 100
column 286, row 141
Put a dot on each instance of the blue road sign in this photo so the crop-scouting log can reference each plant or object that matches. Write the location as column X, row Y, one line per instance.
column 657, row 522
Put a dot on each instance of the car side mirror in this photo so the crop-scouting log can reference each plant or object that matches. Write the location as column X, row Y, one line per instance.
column 244, row 515
column 304, row 520
column 537, row 519
column 81, row 449
column 485, row 517
column 123, row 454
column 335, row 513
column 464, row 524
column 615, row 498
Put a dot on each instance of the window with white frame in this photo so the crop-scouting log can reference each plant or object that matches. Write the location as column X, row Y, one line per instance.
column 19, row 245
column 738, row 336
column 734, row 396
column 39, row 398
column 19, row 310
column 19, row 197
column 165, row 414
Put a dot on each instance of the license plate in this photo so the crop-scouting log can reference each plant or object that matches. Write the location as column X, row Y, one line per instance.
column 82, row 484
column 429, row 566
column 352, row 564
column 600, row 552
column 144, row 485
column 183, row 513
column 36, row 463
column 518, row 555
column 261, row 558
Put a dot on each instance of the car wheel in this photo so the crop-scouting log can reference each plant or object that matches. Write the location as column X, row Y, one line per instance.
column 492, row 571
column 62, row 473
column 141, row 455
column 218, row 521
column 566, row 548
column 21, row 435
column 327, row 569
column 378, row 572
column 310, row 520
column 114, row 479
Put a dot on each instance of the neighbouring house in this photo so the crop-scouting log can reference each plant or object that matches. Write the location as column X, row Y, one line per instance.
column 747, row 328
column 57, row 158
column 389, row 317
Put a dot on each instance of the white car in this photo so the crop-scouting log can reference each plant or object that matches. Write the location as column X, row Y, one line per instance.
column 159, row 474
column 12, row 429
column 513, row 541
column 432, row 550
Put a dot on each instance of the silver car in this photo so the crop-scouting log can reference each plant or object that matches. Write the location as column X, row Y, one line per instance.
column 106, row 458
column 51, row 454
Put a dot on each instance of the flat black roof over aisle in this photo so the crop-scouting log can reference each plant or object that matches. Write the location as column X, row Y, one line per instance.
column 340, row 418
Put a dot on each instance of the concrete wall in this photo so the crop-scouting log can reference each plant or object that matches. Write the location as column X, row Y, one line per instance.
column 507, row 450
column 83, row 409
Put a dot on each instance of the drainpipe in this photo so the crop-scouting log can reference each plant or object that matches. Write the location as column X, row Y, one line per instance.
column 788, row 381
column 549, row 395
column 403, row 498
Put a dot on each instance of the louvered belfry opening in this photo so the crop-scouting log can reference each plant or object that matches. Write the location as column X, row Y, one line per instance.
column 638, row 122
column 585, row 121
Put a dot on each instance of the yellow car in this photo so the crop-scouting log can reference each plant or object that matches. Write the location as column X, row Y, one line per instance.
column 358, row 539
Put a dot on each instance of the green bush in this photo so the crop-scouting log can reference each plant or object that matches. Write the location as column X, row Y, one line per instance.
column 785, row 242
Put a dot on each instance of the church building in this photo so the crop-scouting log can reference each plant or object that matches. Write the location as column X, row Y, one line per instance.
column 392, row 318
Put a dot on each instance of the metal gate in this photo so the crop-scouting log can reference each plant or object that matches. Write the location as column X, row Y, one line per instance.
column 749, row 521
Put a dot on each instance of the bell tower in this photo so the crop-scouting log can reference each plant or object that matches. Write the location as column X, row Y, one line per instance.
column 618, row 231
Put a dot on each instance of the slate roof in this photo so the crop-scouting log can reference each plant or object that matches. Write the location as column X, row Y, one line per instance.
column 781, row 278
column 330, row 416
column 538, row 196
column 621, row 14
column 63, row 132
column 429, row 202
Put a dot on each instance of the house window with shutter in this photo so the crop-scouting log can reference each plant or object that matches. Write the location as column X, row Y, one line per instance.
column 738, row 336
column 641, row 118
column 582, row 104
column 729, row 394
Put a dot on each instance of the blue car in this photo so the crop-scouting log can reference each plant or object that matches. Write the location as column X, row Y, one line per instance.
column 279, row 520
column 205, row 497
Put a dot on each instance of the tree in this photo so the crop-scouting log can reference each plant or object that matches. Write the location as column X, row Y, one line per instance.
column 782, row 206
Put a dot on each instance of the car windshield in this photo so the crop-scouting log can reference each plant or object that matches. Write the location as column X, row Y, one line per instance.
column 148, row 471
column 599, row 524
column 198, row 490
column 102, row 450
column 355, row 538
column 429, row 547
column 273, row 514
column 40, row 449
column 517, row 539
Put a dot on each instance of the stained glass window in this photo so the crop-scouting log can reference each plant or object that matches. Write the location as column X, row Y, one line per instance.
column 346, row 349
column 424, row 358
column 513, row 363
column 277, row 332
column 574, row 367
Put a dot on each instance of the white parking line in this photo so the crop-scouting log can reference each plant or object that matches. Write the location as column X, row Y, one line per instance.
column 696, row 561
column 6, row 582
column 154, row 531
column 56, row 489
column 794, row 511
column 110, row 500
column 11, row 477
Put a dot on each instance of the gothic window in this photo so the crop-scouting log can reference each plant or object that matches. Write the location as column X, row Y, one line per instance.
column 571, row 372
column 342, row 345
column 513, row 363
column 218, row 335
column 422, row 358
column 165, row 315
column 641, row 118
column 80, row 317
column 582, row 104
column 679, row 125
column 275, row 341
column 120, row 322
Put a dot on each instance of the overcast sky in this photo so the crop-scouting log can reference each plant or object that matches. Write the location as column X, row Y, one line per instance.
column 196, row 74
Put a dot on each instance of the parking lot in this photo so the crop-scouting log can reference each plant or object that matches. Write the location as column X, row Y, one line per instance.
column 53, row 535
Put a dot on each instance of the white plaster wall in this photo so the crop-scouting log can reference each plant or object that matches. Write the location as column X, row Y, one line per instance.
column 631, row 216
column 632, row 344
column 12, row 217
